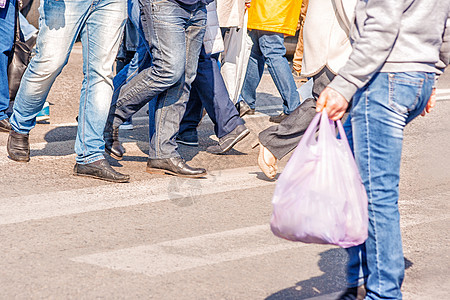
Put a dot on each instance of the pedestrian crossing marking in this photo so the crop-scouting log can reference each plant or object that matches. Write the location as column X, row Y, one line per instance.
column 188, row 253
column 61, row 203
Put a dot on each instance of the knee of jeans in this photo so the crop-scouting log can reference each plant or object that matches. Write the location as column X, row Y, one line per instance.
column 46, row 67
column 171, row 75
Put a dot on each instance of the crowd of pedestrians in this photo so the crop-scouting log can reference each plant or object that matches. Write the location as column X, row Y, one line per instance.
column 373, row 63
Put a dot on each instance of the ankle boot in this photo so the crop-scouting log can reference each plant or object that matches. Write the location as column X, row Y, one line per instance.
column 112, row 144
column 18, row 146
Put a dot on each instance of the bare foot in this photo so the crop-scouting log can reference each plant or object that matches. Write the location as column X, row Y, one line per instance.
column 267, row 162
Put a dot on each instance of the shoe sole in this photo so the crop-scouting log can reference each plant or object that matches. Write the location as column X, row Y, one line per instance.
column 19, row 160
column 276, row 121
column 126, row 127
column 187, row 143
column 167, row 172
column 42, row 118
column 113, row 155
column 236, row 140
column 101, row 178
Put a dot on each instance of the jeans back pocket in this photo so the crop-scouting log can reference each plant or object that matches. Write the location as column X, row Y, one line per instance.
column 405, row 90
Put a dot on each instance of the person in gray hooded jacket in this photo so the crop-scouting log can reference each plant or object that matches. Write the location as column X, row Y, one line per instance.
column 398, row 49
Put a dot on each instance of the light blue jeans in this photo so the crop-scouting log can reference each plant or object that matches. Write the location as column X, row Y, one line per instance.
column 379, row 115
column 27, row 29
column 99, row 24
column 268, row 47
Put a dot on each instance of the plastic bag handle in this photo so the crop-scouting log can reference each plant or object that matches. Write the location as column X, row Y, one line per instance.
column 311, row 130
column 343, row 136
column 330, row 128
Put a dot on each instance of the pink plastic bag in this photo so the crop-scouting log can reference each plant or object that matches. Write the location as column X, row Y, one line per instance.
column 319, row 197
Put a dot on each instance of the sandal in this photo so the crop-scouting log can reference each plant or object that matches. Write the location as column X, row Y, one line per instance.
column 267, row 162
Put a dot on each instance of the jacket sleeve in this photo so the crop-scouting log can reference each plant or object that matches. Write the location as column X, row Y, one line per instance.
column 444, row 54
column 373, row 45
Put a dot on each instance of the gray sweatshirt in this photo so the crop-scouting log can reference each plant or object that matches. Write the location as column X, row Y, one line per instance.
column 395, row 36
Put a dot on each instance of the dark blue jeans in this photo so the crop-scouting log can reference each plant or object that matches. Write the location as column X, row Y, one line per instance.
column 141, row 60
column 209, row 91
column 7, row 17
column 175, row 36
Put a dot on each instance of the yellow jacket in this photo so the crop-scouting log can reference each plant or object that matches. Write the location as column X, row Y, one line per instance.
column 274, row 15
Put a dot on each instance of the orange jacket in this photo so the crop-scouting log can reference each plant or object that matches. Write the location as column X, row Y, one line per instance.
column 274, row 15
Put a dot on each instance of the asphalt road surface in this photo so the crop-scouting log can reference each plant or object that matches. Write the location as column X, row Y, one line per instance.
column 164, row 237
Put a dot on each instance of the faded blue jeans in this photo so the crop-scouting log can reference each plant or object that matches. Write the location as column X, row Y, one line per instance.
column 379, row 115
column 175, row 36
column 268, row 47
column 7, row 17
column 99, row 24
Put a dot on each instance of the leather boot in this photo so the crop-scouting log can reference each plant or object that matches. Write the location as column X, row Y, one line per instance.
column 5, row 126
column 18, row 146
column 112, row 144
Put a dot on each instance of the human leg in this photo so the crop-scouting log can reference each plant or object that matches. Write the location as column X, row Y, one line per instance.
column 172, row 103
column 283, row 138
column 211, row 90
column 7, row 17
column 100, row 38
column 273, row 50
column 379, row 113
column 60, row 23
column 187, row 134
column 255, row 69
column 163, row 25
column 298, row 55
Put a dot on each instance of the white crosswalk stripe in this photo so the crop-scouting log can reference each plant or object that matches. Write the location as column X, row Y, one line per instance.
column 32, row 207
column 205, row 250
column 184, row 254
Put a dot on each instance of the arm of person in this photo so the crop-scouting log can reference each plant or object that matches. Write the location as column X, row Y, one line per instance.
column 370, row 51
column 444, row 61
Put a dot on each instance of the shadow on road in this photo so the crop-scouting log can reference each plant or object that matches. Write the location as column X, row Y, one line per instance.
column 333, row 264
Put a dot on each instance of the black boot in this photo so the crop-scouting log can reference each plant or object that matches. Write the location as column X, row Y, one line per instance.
column 18, row 146
column 112, row 144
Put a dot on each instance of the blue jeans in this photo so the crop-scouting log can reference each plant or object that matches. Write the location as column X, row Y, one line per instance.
column 99, row 24
column 7, row 17
column 209, row 91
column 27, row 29
column 175, row 36
column 140, row 61
column 268, row 47
column 379, row 114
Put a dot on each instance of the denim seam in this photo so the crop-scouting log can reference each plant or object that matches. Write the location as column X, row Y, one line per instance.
column 83, row 130
column 369, row 194
column 158, row 49
column 160, row 121
column 94, row 158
